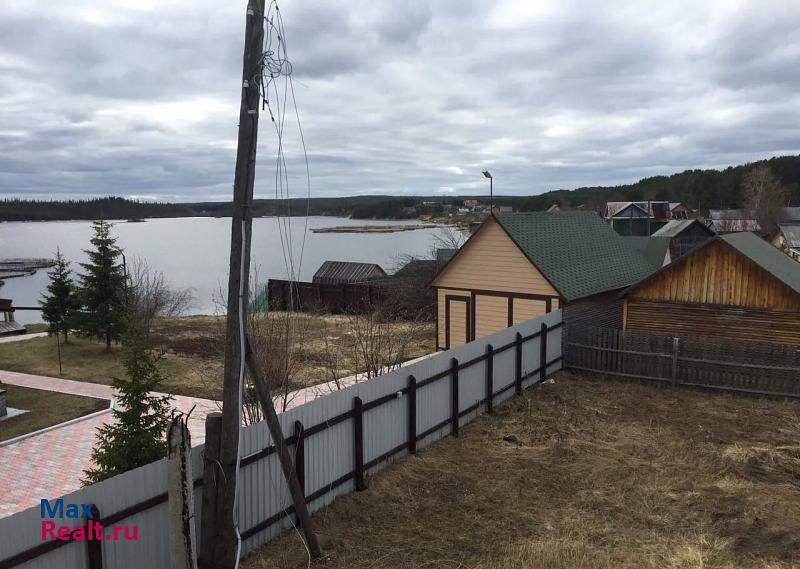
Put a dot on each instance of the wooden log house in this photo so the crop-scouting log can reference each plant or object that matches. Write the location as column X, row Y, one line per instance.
column 735, row 285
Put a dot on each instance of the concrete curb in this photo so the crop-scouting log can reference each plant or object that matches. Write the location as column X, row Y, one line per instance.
column 59, row 425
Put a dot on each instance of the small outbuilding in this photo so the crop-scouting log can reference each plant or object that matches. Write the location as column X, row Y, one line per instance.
column 684, row 235
column 347, row 272
column 787, row 239
column 8, row 325
column 518, row 266
column 735, row 285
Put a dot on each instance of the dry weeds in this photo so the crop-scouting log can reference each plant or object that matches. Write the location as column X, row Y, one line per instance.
column 199, row 339
column 603, row 474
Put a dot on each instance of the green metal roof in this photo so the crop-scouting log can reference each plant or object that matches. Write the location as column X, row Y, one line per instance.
column 577, row 252
column 444, row 255
column 769, row 258
column 653, row 249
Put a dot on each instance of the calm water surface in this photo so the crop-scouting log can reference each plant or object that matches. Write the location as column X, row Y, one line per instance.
column 194, row 252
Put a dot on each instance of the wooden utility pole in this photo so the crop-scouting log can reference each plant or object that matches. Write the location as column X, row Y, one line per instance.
column 287, row 464
column 225, row 546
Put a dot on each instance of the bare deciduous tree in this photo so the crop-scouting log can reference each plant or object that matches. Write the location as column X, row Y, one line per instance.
column 449, row 237
column 369, row 345
column 764, row 197
column 151, row 295
column 276, row 337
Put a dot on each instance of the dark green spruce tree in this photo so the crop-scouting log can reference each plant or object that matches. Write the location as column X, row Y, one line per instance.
column 102, row 287
column 136, row 435
column 60, row 304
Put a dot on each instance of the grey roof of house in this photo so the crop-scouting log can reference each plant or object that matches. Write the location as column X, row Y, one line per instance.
column 675, row 227
column 769, row 258
column 792, row 235
column 11, row 328
column 790, row 214
column 577, row 252
column 653, row 249
column 341, row 272
column 615, row 208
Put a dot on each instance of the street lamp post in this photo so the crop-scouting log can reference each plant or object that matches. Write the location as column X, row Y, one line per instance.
column 491, row 193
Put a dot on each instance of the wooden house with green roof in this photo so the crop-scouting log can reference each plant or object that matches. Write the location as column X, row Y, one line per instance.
column 735, row 285
column 518, row 266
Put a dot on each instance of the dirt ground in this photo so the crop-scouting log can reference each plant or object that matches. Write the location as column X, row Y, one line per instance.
column 583, row 473
column 199, row 338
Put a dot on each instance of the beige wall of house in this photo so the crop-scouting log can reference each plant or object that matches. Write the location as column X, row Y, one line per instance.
column 498, row 279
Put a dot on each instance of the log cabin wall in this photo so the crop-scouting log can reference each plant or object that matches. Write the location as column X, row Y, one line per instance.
column 716, row 291
column 601, row 310
column 706, row 319
column 718, row 275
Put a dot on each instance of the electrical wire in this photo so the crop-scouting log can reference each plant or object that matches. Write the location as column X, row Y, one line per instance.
column 273, row 64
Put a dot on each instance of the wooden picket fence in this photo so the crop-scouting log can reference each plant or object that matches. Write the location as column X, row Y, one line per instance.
column 701, row 361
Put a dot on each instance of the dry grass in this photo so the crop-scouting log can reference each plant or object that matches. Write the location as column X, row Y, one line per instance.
column 45, row 408
column 603, row 474
column 200, row 339
column 87, row 360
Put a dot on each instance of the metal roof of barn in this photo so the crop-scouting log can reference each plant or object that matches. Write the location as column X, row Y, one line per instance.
column 769, row 258
column 653, row 249
column 342, row 272
column 675, row 227
column 755, row 249
column 792, row 235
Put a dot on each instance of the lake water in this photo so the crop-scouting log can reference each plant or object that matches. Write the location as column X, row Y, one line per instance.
column 194, row 252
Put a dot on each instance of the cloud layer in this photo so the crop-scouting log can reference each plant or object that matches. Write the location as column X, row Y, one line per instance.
column 140, row 97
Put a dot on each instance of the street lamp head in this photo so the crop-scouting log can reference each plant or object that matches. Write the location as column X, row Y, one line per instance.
column 487, row 174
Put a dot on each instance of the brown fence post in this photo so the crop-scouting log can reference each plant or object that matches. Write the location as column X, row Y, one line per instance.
column 94, row 543
column 412, row 415
column 454, row 395
column 675, row 347
column 543, row 345
column 489, row 378
column 300, row 454
column 358, row 443
column 211, row 476
column 518, row 366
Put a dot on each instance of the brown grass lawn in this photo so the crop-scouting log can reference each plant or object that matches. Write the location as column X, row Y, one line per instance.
column 193, row 354
column 45, row 409
column 597, row 473
column 87, row 360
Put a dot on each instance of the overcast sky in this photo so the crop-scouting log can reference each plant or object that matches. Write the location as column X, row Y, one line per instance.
column 140, row 97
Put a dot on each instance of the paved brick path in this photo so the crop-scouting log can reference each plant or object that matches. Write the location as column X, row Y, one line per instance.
column 51, row 463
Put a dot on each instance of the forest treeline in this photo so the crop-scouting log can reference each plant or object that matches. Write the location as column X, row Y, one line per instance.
column 701, row 189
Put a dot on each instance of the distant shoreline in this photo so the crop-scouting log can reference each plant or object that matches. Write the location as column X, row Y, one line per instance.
column 374, row 228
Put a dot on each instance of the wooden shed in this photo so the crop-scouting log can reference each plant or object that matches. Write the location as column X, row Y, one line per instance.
column 8, row 325
column 684, row 235
column 518, row 266
column 345, row 272
column 735, row 285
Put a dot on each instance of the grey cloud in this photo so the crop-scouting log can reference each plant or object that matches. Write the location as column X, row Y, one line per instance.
column 395, row 97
